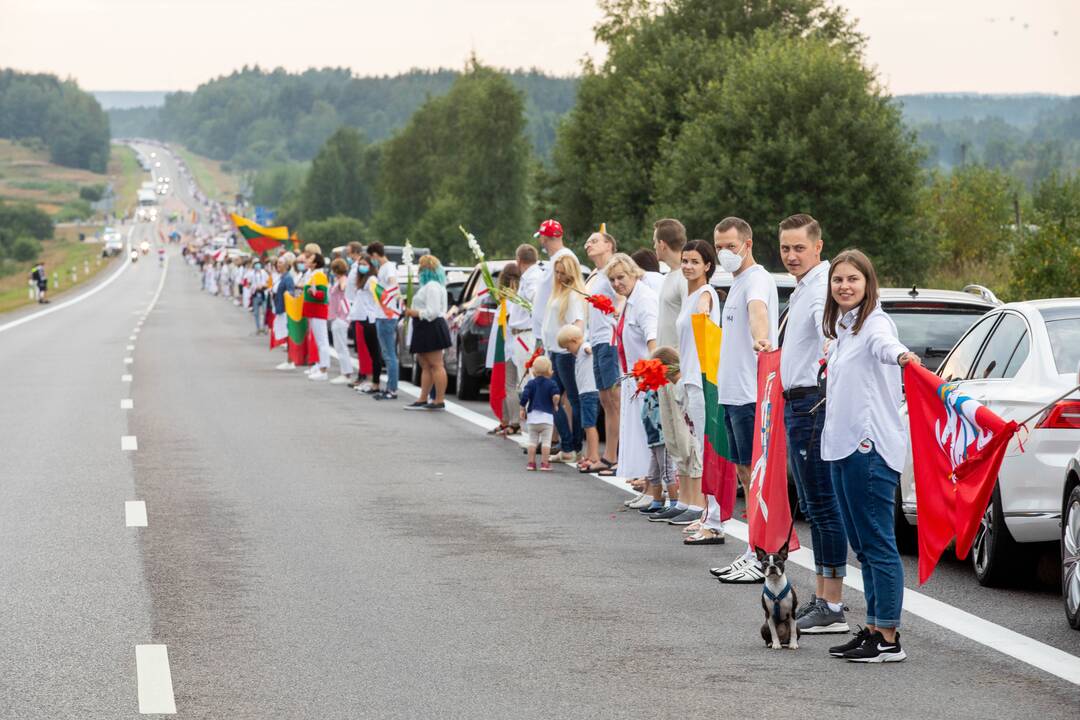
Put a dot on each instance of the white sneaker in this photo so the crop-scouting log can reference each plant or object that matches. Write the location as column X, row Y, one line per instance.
column 340, row 380
column 318, row 376
column 286, row 366
column 633, row 500
column 311, row 370
column 365, row 388
column 642, row 502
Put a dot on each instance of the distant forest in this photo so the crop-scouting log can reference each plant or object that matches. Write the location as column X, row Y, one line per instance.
column 66, row 120
column 254, row 118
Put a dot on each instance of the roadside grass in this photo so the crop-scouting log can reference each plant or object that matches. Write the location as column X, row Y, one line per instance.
column 60, row 255
column 215, row 182
column 126, row 174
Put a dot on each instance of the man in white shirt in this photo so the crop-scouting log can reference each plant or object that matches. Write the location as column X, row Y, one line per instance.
column 749, row 323
column 600, row 247
column 804, row 418
column 550, row 235
column 385, row 326
column 669, row 237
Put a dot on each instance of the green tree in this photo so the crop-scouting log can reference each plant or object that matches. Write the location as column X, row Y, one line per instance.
column 970, row 211
column 659, row 54
column 1046, row 262
column 462, row 159
column 339, row 181
column 25, row 249
column 333, row 232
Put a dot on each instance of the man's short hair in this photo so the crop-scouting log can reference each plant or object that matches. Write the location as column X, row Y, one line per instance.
column 376, row 248
column 802, row 220
column 526, row 254
column 355, row 248
column 741, row 227
column 672, row 232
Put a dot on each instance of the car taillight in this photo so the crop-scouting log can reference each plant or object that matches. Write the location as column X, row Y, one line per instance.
column 484, row 318
column 1064, row 415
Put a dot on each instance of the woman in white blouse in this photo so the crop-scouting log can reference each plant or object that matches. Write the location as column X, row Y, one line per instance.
column 430, row 333
column 635, row 333
column 865, row 442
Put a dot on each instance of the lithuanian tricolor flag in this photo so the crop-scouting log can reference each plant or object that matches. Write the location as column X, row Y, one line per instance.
column 497, row 361
column 387, row 299
column 258, row 237
column 718, row 473
column 298, row 329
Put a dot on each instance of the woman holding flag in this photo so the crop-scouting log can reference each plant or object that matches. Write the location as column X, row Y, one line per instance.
column 431, row 334
column 865, row 440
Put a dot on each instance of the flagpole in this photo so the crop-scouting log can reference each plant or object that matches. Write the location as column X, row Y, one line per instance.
column 1050, row 404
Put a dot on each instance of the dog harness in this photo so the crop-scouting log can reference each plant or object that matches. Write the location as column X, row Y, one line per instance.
column 776, row 599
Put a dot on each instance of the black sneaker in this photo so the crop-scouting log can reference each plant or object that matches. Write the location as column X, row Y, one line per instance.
column 857, row 641
column 416, row 406
column 875, row 650
column 686, row 518
column 665, row 515
column 652, row 510
column 384, row 395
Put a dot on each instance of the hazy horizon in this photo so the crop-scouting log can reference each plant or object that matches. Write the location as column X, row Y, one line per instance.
column 999, row 47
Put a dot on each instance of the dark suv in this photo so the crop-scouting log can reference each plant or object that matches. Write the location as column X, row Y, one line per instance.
column 470, row 327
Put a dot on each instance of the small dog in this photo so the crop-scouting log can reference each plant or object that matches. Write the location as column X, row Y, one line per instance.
column 779, row 601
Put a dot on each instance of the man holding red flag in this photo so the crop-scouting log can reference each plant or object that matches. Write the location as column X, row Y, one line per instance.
column 957, row 447
column 804, row 420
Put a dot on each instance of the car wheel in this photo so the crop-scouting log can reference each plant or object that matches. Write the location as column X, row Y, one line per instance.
column 993, row 551
column 907, row 535
column 468, row 386
column 1070, row 558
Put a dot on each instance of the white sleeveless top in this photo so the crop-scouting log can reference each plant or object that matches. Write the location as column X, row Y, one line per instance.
column 688, row 359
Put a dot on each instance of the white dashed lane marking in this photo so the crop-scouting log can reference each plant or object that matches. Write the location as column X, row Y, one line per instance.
column 128, row 442
column 135, row 513
column 127, row 403
column 130, row 348
column 128, row 361
column 155, row 680
column 125, row 378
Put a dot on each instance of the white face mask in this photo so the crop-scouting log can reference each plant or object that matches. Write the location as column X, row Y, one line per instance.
column 729, row 261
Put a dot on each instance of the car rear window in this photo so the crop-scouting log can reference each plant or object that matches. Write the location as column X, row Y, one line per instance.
column 931, row 332
column 1065, row 343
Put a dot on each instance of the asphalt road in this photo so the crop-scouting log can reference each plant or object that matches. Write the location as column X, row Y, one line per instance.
column 311, row 553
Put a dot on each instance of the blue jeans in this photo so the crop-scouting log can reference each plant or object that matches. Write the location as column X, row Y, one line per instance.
column 257, row 308
column 570, row 440
column 739, row 423
column 866, row 489
column 386, row 329
column 817, row 498
column 590, row 409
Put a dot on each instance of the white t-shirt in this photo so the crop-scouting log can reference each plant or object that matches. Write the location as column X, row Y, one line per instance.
column 672, row 294
column 655, row 281
column 738, row 361
column 575, row 310
column 601, row 326
column 689, row 366
column 387, row 277
column 583, row 370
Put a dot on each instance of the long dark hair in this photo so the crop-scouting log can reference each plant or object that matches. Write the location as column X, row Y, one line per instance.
column 510, row 276
column 832, row 310
column 707, row 253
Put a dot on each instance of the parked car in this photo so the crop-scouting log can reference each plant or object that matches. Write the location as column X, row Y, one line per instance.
column 1070, row 542
column 470, row 327
column 1015, row 360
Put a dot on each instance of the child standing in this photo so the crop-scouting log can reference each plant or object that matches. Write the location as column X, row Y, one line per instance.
column 339, row 321
column 538, row 402
column 572, row 339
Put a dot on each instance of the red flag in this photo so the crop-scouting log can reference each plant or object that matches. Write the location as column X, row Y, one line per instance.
column 957, row 445
column 767, row 509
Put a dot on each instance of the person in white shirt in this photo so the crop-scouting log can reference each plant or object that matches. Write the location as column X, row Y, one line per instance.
column 566, row 306
column 865, row 442
column 600, row 247
column 509, row 424
column 519, row 323
column 431, row 333
column 635, row 333
column 550, row 235
column 804, row 420
column 259, row 281
column 646, row 259
column 749, row 321
column 385, row 325
column 669, row 237
column 572, row 339
column 363, row 311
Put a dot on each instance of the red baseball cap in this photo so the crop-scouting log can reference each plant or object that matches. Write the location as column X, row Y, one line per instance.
column 549, row 228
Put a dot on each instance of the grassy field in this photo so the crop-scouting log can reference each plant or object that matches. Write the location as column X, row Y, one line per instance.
column 59, row 255
column 215, row 182
column 126, row 175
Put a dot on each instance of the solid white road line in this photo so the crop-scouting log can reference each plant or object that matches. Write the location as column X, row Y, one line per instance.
column 128, row 361
column 155, row 680
column 135, row 513
column 129, row 442
column 130, row 348
column 125, row 378
column 131, row 337
column 127, row 403
column 1027, row 650
column 78, row 299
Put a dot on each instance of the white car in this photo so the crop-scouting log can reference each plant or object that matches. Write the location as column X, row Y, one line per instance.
column 1016, row 359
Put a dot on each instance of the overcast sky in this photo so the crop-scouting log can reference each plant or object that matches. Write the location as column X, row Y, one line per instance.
column 1002, row 46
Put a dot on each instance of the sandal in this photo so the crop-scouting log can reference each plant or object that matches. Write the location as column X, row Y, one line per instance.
column 497, row 430
column 511, row 430
column 705, row 536
column 612, row 471
column 692, row 528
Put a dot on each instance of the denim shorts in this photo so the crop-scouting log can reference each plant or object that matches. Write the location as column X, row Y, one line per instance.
column 605, row 365
column 590, row 408
column 739, row 422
